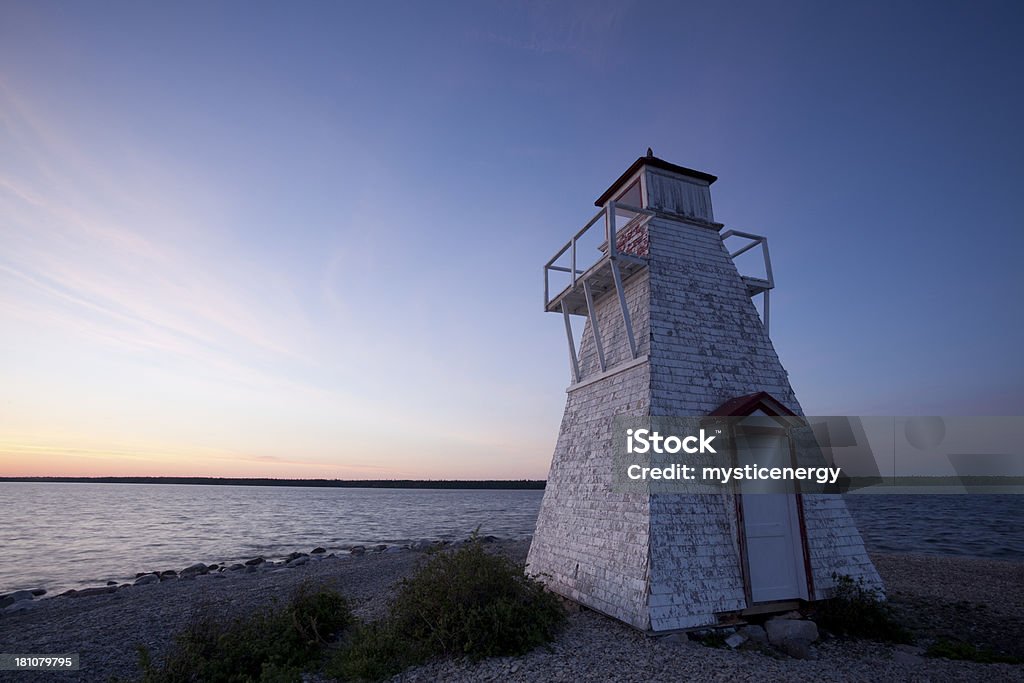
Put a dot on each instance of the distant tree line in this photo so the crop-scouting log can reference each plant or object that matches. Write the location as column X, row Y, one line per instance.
column 322, row 483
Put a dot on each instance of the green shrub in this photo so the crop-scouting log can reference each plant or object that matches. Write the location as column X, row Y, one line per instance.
column 374, row 652
column 475, row 604
column 270, row 646
column 467, row 603
column 955, row 649
column 856, row 611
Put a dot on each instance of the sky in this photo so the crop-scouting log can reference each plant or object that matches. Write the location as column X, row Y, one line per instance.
column 306, row 239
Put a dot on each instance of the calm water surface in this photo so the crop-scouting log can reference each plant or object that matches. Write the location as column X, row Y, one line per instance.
column 59, row 536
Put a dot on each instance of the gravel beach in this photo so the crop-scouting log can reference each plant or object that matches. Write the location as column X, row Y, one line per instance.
column 980, row 601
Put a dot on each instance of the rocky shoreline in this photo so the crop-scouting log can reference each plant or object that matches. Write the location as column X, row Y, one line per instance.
column 937, row 597
column 22, row 599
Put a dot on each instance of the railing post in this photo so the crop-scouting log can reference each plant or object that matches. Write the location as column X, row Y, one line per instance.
column 573, row 262
column 573, row 360
column 609, row 222
column 767, row 262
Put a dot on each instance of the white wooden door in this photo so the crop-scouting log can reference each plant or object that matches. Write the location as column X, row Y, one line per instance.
column 771, row 526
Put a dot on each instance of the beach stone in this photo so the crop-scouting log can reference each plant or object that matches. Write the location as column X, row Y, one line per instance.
column 380, row 547
column 735, row 640
column 357, row 550
column 98, row 590
column 37, row 592
column 68, row 593
column 294, row 556
column 168, row 574
column 111, row 583
column 194, row 570
column 754, row 633
column 147, row 579
column 235, row 567
column 254, row 561
column 393, row 549
column 298, row 561
column 319, row 551
column 782, row 630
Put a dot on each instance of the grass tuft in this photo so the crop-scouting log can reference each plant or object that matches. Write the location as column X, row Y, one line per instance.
column 955, row 649
column 856, row 611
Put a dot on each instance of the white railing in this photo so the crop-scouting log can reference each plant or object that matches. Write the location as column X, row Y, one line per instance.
column 608, row 248
column 756, row 285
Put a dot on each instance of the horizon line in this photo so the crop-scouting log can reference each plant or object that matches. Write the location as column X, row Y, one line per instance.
column 278, row 481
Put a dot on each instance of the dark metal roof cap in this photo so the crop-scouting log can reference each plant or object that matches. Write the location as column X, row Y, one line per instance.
column 651, row 160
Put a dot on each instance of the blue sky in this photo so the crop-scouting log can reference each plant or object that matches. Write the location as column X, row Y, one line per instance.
column 306, row 239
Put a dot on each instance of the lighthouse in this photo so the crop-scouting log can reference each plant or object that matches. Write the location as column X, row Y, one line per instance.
column 670, row 329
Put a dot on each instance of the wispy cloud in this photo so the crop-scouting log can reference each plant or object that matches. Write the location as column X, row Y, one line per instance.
column 79, row 264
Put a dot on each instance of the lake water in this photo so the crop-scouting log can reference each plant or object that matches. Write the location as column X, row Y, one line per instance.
column 59, row 536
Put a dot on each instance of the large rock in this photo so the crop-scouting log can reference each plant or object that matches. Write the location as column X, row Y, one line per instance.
column 254, row 561
column 781, row 630
column 16, row 596
column 735, row 640
column 194, row 570
column 357, row 550
column 298, row 561
column 319, row 551
column 146, row 579
column 99, row 590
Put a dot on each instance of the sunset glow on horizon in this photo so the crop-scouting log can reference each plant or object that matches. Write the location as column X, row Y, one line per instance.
column 260, row 241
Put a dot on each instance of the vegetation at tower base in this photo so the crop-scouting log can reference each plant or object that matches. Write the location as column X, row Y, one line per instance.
column 274, row 645
column 857, row 611
column 467, row 603
column 955, row 649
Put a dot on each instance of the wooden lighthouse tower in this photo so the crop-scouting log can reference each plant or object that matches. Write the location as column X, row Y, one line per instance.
column 671, row 330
